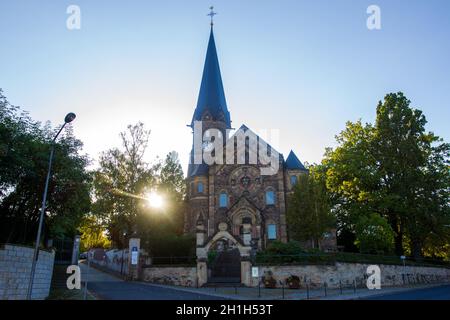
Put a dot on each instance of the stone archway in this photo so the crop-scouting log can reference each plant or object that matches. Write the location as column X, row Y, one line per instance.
column 233, row 255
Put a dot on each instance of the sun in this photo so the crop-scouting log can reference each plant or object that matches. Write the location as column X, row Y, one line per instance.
column 155, row 200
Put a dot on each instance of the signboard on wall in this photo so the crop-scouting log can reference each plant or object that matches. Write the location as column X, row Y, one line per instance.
column 134, row 256
column 255, row 272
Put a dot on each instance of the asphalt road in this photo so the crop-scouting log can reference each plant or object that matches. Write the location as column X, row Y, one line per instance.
column 435, row 293
column 108, row 287
column 140, row 291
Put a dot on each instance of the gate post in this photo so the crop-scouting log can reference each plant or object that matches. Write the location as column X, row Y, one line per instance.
column 246, row 271
column 133, row 258
column 202, row 272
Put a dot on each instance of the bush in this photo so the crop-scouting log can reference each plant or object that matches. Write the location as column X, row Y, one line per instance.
column 374, row 235
column 291, row 253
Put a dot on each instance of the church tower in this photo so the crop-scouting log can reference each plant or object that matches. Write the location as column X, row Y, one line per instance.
column 213, row 113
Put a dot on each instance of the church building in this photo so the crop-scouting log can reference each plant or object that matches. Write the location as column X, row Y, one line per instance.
column 232, row 208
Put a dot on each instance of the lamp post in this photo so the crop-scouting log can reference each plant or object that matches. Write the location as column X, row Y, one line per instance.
column 69, row 118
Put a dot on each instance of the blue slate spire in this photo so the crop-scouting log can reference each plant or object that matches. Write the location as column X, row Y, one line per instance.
column 211, row 98
column 292, row 162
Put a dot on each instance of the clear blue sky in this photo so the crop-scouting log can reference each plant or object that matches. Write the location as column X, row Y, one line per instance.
column 304, row 67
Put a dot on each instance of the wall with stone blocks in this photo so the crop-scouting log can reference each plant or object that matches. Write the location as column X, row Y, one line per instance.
column 347, row 273
column 15, row 268
column 178, row 276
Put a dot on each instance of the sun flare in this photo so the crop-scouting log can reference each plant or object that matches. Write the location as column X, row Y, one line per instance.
column 155, row 200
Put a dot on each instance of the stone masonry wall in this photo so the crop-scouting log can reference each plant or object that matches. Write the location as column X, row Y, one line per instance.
column 391, row 275
column 178, row 276
column 15, row 268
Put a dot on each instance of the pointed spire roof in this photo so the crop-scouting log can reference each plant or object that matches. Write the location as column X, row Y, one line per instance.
column 293, row 163
column 212, row 96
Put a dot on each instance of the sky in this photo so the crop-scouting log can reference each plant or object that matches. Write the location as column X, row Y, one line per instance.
column 301, row 67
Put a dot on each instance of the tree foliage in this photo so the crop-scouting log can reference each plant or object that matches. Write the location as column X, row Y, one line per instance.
column 24, row 154
column 92, row 234
column 396, row 169
column 309, row 213
column 374, row 234
column 121, row 188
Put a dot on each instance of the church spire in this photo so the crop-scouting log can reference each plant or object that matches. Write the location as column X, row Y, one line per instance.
column 211, row 99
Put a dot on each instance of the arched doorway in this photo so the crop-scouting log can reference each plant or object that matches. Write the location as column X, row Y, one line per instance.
column 224, row 262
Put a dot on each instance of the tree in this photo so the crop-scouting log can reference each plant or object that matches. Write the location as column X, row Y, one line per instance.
column 309, row 213
column 395, row 169
column 374, row 235
column 24, row 155
column 121, row 182
column 121, row 188
column 161, row 230
column 93, row 234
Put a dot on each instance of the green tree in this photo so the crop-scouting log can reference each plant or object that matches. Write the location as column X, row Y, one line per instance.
column 121, row 183
column 309, row 213
column 395, row 169
column 24, row 155
column 374, row 234
column 161, row 229
column 93, row 234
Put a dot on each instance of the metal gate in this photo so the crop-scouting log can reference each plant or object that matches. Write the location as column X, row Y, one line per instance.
column 226, row 268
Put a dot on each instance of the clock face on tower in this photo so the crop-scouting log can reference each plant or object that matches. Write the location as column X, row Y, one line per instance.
column 208, row 145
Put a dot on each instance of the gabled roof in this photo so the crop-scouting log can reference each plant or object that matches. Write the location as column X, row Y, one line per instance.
column 244, row 128
column 211, row 97
column 293, row 163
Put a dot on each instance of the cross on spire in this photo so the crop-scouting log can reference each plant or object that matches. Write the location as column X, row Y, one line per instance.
column 212, row 14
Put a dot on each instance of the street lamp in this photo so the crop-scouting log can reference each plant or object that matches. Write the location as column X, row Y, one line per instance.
column 69, row 118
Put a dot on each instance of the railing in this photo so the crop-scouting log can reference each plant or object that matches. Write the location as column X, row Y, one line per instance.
column 352, row 288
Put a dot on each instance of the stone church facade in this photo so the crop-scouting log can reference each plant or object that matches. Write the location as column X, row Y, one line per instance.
column 233, row 207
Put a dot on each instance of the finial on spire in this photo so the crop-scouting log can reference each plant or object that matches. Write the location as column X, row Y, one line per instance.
column 212, row 14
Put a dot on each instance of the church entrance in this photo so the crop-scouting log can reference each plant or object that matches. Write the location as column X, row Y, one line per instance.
column 224, row 265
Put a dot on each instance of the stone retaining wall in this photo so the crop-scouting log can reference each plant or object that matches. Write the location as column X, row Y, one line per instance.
column 15, row 268
column 347, row 273
column 178, row 276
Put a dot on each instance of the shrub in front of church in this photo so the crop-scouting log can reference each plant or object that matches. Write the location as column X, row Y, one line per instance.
column 212, row 255
column 292, row 253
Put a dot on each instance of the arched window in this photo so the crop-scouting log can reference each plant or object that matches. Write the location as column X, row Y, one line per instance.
column 223, row 200
column 270, row 197
column 293, row 180
column 200, row 187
